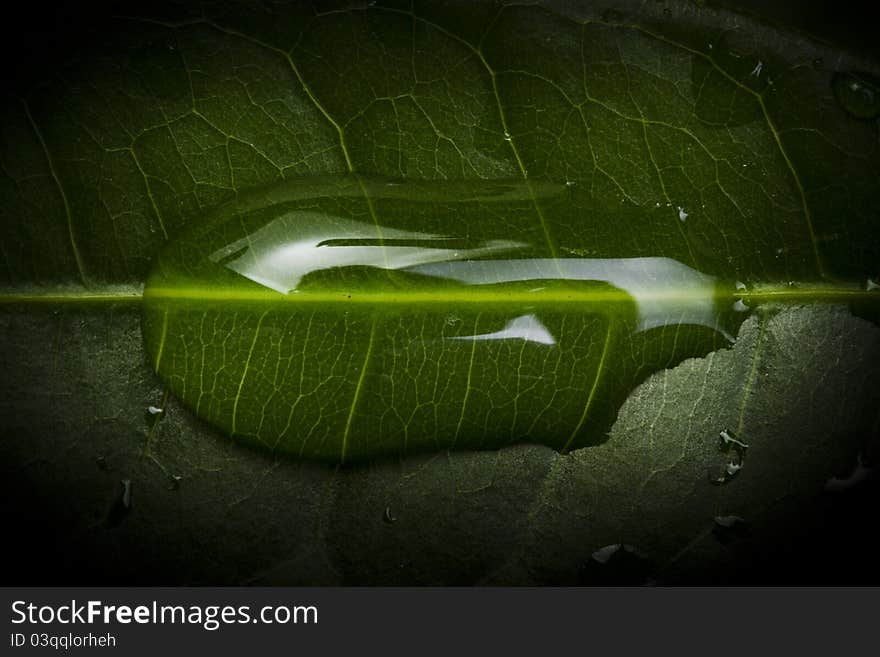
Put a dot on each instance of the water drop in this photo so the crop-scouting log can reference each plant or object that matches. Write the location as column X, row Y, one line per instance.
column 388, row 517
column 727, row 521
column 570, row 183
column 871, row 285
column 121, row 505
column 858, row 93
column 155, row 410
column 739, row 306
column 682, row 214
column 729, row 438
column 756, row 72
column 603, row 554
column 506, row 136
column 861, row 472
column 730, row 528
column 175, row 482
column 734, row 450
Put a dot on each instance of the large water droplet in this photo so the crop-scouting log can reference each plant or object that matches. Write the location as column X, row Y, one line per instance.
column 858, row 93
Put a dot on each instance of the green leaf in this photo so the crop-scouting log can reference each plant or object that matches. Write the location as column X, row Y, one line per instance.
column 130, row 144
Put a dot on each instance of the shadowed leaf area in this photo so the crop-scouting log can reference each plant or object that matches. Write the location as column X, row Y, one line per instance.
column 518, row 268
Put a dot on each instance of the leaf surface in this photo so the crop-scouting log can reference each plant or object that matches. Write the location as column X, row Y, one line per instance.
column 125, row 145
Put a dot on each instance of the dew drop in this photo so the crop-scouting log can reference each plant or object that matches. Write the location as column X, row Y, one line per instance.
column 734, row 451
column 729, row 438
column 860, row 473
column 727, row 521
column 858, row 93
column 603, row 554
column 155, row 410
column 682, row 214
column 121, row 505
column 389, row 517
column 730, row 528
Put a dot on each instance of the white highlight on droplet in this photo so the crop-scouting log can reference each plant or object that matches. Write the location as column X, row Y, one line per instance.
column 524, row 327
column 280, row 264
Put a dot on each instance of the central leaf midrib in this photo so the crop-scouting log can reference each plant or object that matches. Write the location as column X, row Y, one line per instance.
column 781, row 293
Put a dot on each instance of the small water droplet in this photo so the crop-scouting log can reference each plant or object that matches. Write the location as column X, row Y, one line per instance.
column 730, row 528
column 603, row 554
column 388, row 517
column 756, row 72
column 175, row 482
column 121, row 505
column 739, row 306
column 860, row 473
column 858, row 93
column 155, row 410
column 739, row 285
column 871, row 285
column 734, row 450
column 101, row 462
column 570, row 183
column 727, row 521
column 682, row 214
column 729, row 438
